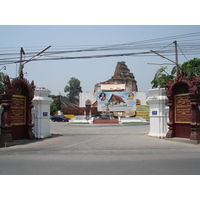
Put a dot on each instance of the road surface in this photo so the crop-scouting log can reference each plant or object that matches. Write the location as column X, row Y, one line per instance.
column 100, row 150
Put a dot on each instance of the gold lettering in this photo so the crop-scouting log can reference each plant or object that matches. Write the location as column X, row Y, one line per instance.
column 18, row 110
column 183, row 113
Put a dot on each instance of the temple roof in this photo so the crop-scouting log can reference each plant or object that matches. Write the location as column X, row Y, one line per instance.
column 123, row 76
column 116, row 98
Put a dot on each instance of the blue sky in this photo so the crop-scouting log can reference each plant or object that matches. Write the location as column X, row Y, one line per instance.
column 54, row 75
column 43, row 23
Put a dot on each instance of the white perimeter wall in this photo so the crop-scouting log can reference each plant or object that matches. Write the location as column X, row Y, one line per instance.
column 83, row 97
column 142, row 97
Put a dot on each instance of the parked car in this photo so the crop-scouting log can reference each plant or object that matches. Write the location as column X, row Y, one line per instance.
column 59, row 118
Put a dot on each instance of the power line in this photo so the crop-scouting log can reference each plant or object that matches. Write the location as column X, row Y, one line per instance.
column 190, row 44
column 182, row 52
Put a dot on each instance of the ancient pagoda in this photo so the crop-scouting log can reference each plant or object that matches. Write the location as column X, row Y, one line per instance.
column 123, row 76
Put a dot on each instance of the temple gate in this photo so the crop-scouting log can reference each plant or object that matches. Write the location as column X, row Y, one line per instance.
column 184, row 108
column 16, row 120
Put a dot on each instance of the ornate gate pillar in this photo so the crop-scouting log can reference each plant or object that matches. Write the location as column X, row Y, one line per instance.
column 195, row 125
column 184, row 108
column 17, row 104
column 29, row 119
column 6, row 133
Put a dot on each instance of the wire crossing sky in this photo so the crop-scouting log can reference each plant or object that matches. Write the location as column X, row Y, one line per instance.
column 90, row 53
column 188, row 45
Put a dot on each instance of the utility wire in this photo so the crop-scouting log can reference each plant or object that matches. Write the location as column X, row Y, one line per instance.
column 190, row 44
column 182, row 52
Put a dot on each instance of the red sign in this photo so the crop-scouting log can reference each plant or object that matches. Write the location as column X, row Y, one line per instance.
column 18, row 110
column 183, row 112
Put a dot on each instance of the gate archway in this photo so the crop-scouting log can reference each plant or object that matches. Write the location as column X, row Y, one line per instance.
column 17, row 105
column 184, row 103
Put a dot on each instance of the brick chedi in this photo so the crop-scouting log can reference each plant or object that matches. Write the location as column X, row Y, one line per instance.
column 122, row 75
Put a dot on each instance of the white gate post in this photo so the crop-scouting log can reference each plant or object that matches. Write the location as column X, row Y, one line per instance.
column 158, row 118
column 42, row 102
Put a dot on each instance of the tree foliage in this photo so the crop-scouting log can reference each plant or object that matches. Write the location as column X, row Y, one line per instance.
column 187, row 69
column 161, row 76
column 1, row 83
column 2, row 88
column 191, row 68
column 55, row 105
column 73, row 88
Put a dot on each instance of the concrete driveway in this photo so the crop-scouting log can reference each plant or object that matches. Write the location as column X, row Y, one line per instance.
column 100, row 150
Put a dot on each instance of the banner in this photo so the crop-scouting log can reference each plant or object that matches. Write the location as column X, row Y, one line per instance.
column 143, row 111
column 117, row 101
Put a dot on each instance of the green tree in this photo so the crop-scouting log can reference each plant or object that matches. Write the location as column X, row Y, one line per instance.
column 53, row 107
column 191, row 68
column 161, row 76
column 1, row 85
column 73, row 89
column 187, row 69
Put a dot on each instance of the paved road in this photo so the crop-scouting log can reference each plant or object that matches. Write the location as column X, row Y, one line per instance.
column 111, row 150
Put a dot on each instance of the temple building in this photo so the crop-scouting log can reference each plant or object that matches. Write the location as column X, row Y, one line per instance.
column 122, row 80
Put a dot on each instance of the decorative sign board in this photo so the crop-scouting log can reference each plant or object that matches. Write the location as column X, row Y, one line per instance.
column 183, row 111
column 117, row 101
column 18, row 110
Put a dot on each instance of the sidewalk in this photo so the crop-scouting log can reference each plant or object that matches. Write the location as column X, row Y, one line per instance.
column 102, row 125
